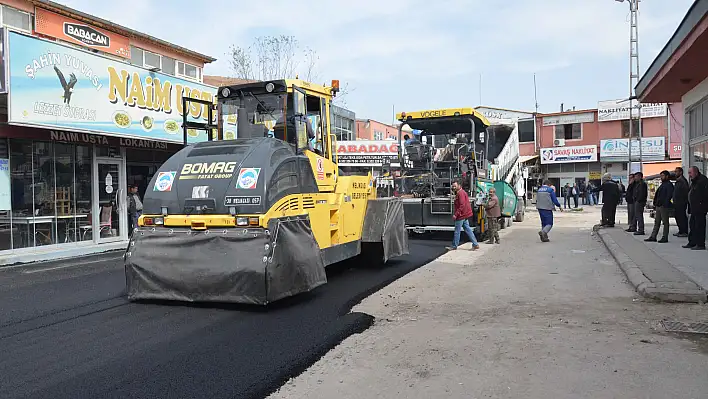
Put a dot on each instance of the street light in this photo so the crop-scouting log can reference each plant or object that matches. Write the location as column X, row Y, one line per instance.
column 634, row 78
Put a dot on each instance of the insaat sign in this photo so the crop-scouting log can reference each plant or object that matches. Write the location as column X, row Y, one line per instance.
column 367, row 153
column 86, row 35
column 583, row 153
column 617, row 110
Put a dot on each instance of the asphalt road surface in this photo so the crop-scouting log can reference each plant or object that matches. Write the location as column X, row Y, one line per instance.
column 69, row 332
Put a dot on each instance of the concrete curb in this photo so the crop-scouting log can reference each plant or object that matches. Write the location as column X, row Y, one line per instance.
column 645, row 287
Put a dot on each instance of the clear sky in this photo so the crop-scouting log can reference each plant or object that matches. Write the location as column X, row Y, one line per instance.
column 422, row 54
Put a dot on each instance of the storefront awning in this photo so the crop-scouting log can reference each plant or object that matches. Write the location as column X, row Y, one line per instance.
column 526, row 158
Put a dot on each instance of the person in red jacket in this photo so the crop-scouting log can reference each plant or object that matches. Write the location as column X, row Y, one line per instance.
column 463, row 211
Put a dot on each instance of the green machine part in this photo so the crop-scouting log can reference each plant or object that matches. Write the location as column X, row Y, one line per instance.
column 505, row 192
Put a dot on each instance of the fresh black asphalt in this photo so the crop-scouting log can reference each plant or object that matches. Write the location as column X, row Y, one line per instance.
column 71, row 333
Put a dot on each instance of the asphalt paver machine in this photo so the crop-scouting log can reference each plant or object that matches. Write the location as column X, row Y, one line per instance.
column 255, row 213
column 450, row 147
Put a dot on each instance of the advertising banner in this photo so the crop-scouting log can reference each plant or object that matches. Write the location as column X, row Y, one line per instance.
column 618, row 110
column 617, row 150
column 56, row 86
column 73, row 31
column 582, row 153
column 3, row 64
column 367, row 153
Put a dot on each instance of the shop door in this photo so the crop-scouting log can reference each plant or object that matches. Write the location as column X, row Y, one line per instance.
column 111, row 208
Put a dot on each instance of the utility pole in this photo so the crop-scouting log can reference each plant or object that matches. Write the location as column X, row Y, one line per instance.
column 634, row 79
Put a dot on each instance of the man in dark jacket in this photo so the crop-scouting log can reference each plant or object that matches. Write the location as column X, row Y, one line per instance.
column 640, row 195
column 662, row 204
column 681, row 188
column 463, row 211
column 698, row 207
column 629, row 196
column 610, row 199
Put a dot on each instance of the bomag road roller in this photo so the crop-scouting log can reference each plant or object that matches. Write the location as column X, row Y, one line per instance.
column 255, row 213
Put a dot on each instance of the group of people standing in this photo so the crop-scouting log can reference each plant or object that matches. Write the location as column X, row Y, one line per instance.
column 463, row 211
column 684, row 199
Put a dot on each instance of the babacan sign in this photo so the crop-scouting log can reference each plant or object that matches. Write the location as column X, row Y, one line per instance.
column 367, row 153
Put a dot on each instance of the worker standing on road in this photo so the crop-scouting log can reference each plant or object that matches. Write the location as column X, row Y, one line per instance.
column 662, row 204
column 463, row 211
column 493, row 216
column 641, row 193
column 546, row 202
column 681, row 189
column 629, row 196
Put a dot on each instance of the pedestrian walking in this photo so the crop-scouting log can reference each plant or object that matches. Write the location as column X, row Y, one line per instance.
column 662, row 205
column 681, row 189
column 629, row 196
column 546, row 203
column 576, row 194
column 567, row 193
column 463, row 211
column 698, row 208
column 135, row 208
column 493, row 216
column 610, row 199
column 640, row 194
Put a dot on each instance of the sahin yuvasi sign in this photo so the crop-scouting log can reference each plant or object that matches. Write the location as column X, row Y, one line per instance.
column 59, row 87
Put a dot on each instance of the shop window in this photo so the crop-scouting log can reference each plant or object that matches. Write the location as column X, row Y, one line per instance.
column 378, row 136
column 526, row 131
column 698, row 157
column 188, row 70
column 168, row 65
column 15, row 18
column 50, row 195
column 152, row 60
column 571, row 131
column 136, row 56
column 635, row 128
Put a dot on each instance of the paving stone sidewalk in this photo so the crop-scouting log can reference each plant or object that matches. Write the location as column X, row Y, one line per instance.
column 653, row 275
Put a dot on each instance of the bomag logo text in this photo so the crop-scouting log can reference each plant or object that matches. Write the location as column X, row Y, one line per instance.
column 211, row 170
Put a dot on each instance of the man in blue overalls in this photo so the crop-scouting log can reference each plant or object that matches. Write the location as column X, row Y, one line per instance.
column 546, row 202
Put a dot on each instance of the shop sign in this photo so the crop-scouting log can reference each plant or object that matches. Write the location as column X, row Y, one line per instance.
column 618, row 110
column 73, row 31
column 595, row 175
column 555, row 155
column 60, row 87
column 675, row 151
column 617, row 150
column 367, row 153
column 568, row 119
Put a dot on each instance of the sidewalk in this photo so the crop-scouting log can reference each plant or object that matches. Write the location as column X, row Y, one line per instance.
column 661, row 271
column 522, row 319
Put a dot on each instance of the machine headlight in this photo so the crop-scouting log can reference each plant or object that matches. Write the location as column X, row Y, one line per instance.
column 158, row 221
column 270, row 87
column 225, row 92
column 241, row 221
